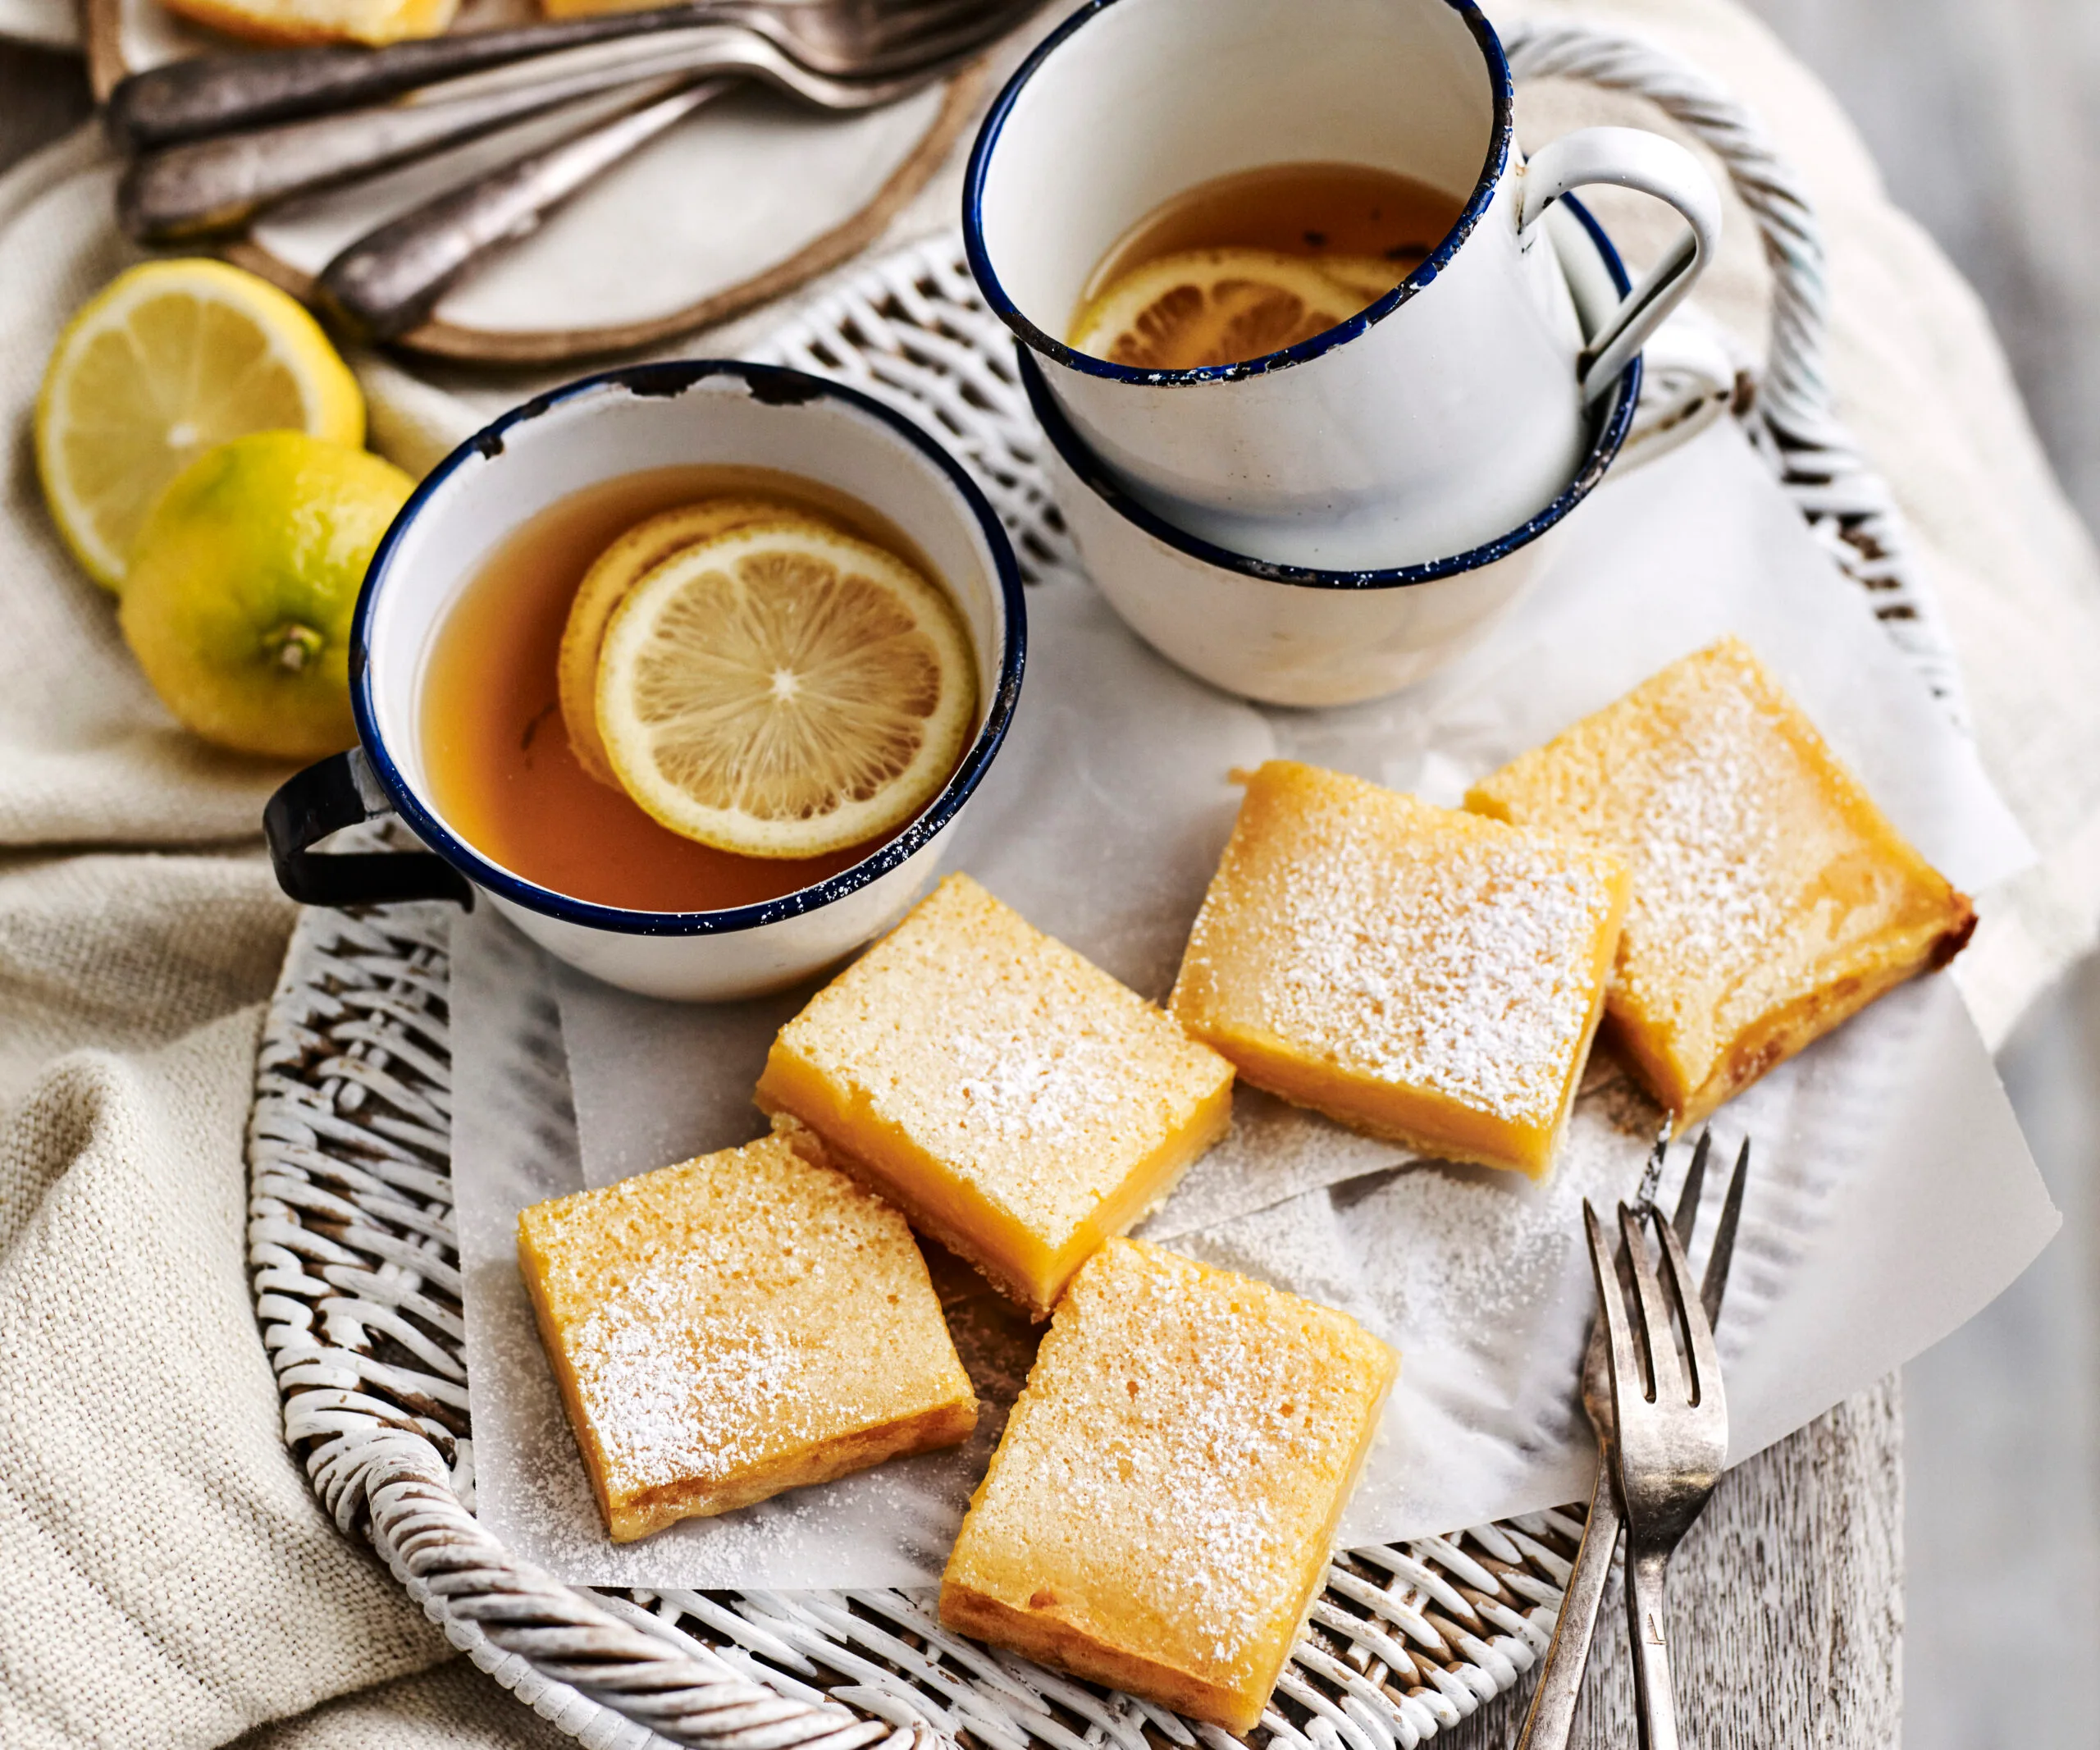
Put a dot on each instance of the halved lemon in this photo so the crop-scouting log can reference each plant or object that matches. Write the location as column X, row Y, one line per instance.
column 170, row 359
column 784, row 690
column 1201, row 307
column 604, row 586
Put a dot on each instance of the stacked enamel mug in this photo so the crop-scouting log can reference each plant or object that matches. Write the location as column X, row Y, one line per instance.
column 1334, row 520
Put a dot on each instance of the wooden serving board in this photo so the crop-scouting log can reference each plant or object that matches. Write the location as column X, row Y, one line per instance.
column 733, row 207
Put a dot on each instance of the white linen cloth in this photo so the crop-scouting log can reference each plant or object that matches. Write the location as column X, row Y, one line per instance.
column 167, row 1579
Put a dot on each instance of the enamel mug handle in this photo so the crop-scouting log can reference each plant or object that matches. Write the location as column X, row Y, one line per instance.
column 341, row 791
column 1630, row 159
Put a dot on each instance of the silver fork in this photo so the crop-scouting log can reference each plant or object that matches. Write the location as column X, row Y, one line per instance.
column 1672, row 1426
column 222, row 183
column 1551, row 1716
column 216, row 94
column 387, row 281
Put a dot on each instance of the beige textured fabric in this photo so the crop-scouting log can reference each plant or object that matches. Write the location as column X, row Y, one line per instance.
column 453, row 1707
column 167, row 1579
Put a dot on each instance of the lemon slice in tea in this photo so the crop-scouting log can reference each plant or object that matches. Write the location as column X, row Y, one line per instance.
column 1201, row 307
column 168, row 360
column 784, row 690
column 604, row 586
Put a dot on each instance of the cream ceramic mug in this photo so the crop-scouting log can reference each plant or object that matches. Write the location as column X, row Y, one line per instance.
column 1448, row 412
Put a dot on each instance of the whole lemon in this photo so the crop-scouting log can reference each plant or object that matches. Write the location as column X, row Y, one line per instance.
column 241, row 587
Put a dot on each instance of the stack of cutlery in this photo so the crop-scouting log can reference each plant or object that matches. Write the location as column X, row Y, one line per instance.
column 219, row 140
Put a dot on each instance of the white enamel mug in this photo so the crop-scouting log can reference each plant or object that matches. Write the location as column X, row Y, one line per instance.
column 601, row 428
column 1452, row 409
column 1298, row 635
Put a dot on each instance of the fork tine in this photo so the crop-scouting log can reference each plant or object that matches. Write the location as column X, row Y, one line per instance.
column 1612, row 1314
column 1658, row 1345
column 1695, row 1183
column 1706, row 1359
column 1722, row 1254
column 1651, row 1175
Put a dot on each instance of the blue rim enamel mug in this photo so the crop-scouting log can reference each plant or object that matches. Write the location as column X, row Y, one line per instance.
column 601, row 428
column 1452, row 409
column 1302, row 636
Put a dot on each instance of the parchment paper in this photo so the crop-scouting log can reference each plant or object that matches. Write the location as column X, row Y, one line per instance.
column 1893, row 1195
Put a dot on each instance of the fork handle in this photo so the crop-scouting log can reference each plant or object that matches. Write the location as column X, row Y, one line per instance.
column 217, row 94
column 390, row 280
column 1551, row 1717
column 1653, row 1691
column 221, row 184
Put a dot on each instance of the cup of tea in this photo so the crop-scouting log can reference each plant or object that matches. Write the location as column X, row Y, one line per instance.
column 454, row 672
column 1302, row 635
column 1409, row 381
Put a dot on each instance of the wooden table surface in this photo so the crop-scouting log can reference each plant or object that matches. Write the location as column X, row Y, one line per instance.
column 1787, row 1611
column 1786, row 1617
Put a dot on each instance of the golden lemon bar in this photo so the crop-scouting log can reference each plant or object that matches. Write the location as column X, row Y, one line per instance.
column 1413, row 972
column 745, row 1323
column 1013, row 1099
column 1771, row 898
column 1162, row 1504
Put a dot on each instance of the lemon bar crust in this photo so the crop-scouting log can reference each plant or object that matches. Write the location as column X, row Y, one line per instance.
column 735, row 1326
column 1163, row 1504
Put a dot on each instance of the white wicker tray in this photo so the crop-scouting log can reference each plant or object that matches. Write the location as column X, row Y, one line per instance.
column 356, row 1280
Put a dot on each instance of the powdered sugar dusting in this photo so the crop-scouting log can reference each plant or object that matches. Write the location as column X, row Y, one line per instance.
column 1706, row 846
column 675, row 1393
column 1023, row 1070
column 1481, row 1280
column 1020, row 1087
column 735, row 1312
column 1476, row 983
column 1759, row 867
column 1187, row 1428
column 1431, row 950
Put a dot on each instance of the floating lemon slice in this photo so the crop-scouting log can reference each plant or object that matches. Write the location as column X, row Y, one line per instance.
column 784, row 690
column 605, row 586
column 1204, row 306
column 170, row 359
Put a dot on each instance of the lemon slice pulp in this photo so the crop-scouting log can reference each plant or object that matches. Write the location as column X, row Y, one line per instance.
column 1205, row 307
column 170, row 359
column 605, row 586
column 784, row 690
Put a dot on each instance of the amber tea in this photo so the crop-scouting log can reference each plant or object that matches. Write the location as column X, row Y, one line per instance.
column 1314, row 211
column 501, row 770
column 1361, row 230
